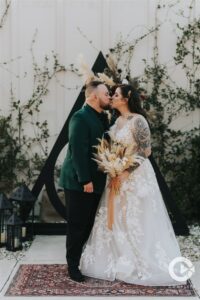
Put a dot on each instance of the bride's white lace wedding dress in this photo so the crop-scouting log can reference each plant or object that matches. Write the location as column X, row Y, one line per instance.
column 142, row 242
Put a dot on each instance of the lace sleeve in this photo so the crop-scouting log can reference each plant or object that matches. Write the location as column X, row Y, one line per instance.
column 142, row 136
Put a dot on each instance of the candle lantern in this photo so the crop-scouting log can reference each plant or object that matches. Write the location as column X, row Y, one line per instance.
column 5, row 213
column 23, row 197
column 14, row 233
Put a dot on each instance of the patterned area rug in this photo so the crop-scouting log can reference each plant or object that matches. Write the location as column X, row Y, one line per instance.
column 53, row 280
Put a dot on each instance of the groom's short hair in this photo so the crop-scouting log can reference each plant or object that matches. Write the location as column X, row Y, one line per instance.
column 91, row 86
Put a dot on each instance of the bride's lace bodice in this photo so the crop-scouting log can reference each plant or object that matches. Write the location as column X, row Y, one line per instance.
column 134, row 129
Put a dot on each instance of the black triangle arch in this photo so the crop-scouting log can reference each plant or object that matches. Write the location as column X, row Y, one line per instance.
column 46, row 176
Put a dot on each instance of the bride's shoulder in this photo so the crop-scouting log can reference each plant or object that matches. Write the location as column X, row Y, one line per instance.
column 136, row 116
column 139, row 120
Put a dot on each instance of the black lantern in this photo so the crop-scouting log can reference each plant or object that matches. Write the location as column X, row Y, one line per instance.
column 14, row 233
column 23, row 197
column 5, row 212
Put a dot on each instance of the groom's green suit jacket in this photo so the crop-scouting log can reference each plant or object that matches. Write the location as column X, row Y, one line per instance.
column 85, row 128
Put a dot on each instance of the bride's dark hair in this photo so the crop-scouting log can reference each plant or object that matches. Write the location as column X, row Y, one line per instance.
column 134, row 100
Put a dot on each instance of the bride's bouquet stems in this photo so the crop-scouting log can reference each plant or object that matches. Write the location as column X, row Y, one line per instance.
column 114, row 186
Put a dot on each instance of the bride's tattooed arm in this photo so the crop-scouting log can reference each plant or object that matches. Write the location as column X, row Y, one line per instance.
column 142, row 137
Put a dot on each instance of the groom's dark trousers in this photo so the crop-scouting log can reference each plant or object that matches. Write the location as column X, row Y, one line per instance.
column 81, row 210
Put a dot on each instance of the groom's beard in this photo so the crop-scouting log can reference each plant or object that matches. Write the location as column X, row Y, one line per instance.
column 105, row 106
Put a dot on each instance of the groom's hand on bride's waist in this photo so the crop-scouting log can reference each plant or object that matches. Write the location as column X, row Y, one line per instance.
column 88, row 188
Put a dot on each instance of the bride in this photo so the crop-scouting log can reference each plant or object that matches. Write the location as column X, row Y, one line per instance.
column 141, row 243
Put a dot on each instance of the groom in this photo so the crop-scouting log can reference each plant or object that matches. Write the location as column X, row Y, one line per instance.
column 83, row 183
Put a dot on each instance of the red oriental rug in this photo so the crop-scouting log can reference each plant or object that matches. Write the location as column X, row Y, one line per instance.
column 53, row 280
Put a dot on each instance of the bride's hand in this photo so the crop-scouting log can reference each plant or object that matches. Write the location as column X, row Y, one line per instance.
column 124, row 176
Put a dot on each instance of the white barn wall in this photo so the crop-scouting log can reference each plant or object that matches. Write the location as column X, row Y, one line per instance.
column 57, row 22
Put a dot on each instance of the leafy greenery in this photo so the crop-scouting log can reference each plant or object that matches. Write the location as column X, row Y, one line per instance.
column 23, row 153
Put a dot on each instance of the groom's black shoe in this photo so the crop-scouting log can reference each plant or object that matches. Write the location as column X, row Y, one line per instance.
column 76, row 275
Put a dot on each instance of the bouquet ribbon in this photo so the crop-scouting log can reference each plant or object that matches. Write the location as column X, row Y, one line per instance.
column 114, row 186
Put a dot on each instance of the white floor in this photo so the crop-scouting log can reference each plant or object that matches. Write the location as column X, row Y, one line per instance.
column 51, row 249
